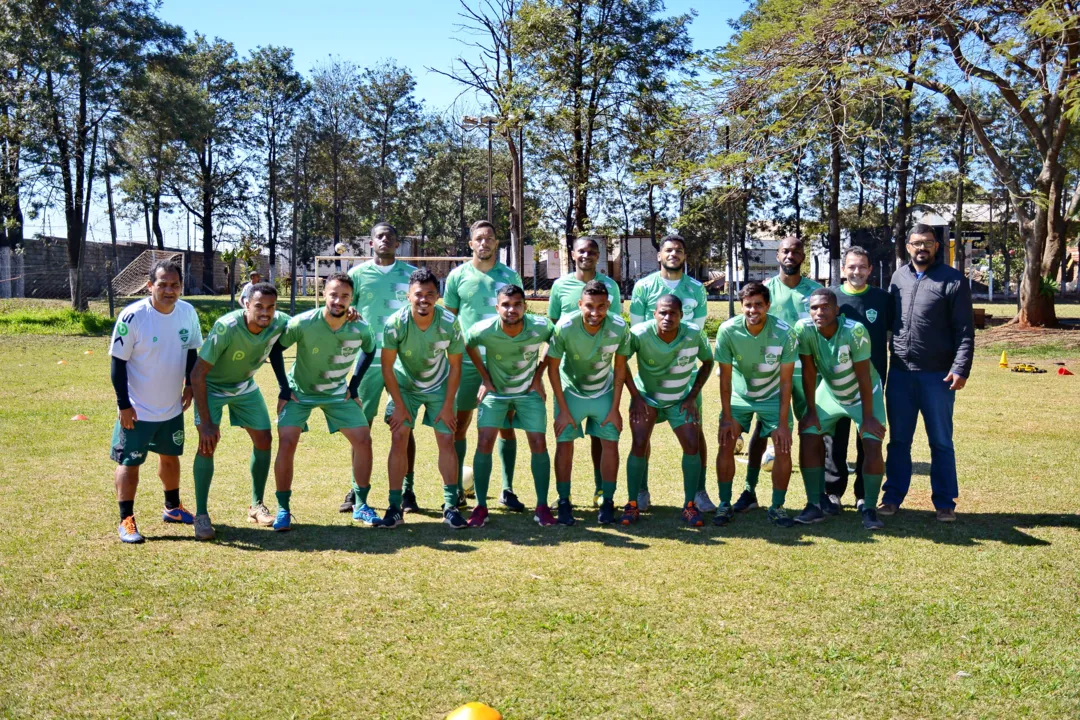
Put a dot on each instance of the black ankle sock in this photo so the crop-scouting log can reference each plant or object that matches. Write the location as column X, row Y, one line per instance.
column 127, row 508
column 172, row 499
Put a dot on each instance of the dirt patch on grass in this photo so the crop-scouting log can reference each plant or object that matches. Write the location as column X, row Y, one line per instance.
column 1068, row 339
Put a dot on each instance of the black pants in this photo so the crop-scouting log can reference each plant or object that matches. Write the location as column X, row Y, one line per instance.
column 836, row 470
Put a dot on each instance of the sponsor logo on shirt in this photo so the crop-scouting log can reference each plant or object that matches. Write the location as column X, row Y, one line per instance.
column 238, row 355
column 121, row 329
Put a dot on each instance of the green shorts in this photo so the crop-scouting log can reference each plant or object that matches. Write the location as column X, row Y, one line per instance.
column 798, row 397
column 830, row 411
column 767, row 411
column 371, row 390
column 591, row 411
column 130, row 447
column 469, row 387
column 530, row 413
column 246, row 411
column 674, row 416
column 340, row 415
column 432, row 404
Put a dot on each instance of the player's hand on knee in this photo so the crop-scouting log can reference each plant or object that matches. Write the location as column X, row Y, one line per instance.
column 781, row 437
column 689, row 408
column 613, row 418
column 638, row 411
column 562, row 421
column 448, row 417
column 726, row 436
column 809, row 420
column 874, row 427
column 399, row 417
column 485, row 388
column 209, row 435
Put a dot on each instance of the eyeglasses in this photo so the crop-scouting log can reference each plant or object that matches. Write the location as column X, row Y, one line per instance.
column 922, row 245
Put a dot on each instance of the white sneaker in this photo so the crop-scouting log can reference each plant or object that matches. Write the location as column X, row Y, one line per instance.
column 643, row 501
column 703, row 503
column 204, row 530
column 859, row 505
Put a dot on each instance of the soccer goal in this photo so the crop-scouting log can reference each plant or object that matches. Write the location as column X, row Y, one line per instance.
column 132, row 280
column 326, row 264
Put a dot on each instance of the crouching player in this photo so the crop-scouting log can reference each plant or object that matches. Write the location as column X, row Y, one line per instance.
column 838, row 350
column 587, row 369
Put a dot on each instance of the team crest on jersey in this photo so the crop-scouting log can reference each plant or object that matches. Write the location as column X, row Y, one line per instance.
column 184, row 334
column 685, row 360
column 844, row 355
column 771, row 358
column 605, row 357
column 871, row 315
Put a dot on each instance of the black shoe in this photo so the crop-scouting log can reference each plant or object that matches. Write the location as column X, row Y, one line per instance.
column 606, row 516
column 392, row 518
column 509, row 500
column 408, row 502
column 828, row 506
column 347, row 505
column 461, row 501
column 746, row 502
column 724, row 515
column 565, row 513
column 810, row 514
column 452, row 517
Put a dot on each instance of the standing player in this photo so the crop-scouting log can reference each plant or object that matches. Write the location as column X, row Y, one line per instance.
column 381, row 287
column 239, row 344
column 565, row 293
column 671, row 279
column 839, row 351
column 245, row 294
column 667, row 352
column 421, row 366
column 790, row 295
column 756, row 354
column 327, row 346
column 874, row 308
column 588, row 388
column 470, row 294
column 512, row 393
column 153, row 349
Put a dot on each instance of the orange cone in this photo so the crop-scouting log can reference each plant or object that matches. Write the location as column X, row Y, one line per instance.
column 1064, row 371
column 80, row 417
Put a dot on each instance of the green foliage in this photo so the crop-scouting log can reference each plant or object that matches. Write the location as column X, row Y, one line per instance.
column 53, row 321
column 1048, row 287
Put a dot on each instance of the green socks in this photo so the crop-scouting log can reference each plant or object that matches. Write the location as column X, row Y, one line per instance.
column 481, row 476
column 691, row 472
column 204, row 474
column 541, row 472
column 563, row 489
column 407, row 486
column 752, row 478
column 260, row 470
column 871, row 489
column 361, row 493
column 395, row 498
column 814, row 482
column 778, row 497
column 508, row 456
column 608, row 489
column 460, row 446
column 449, row 495
column 702, row 474
column 597, row 479
column 635, row 475
column 644, row 478
column 283, row 497
column 725, row 493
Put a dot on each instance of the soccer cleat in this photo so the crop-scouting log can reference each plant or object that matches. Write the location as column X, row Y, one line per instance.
column 510, row 501
column 703, row 502
column 870, row 519
column 810, row 514
column 630, row 514
column 366, row 515
column 644, row 501
column 566, row 513
column 779, row 517
column 543, row 516
column 478, row 517
column 598, row 498
column 283, row 521
column 204, row 530
column 347, row 503
column 692, row 516
column 828, row 506
column 887, row 509
column 462, row 502
column 392, row 518
column 260, row 515
column 408, row 502
column 723, row 516
column 178, row 515
column 452, row 517
column 129, row 532
column 746, row 502
column 606, row 516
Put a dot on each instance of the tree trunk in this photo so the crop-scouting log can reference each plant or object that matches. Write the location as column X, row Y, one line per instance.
column 112, row 209
column 208, row 233
column 899, row 223
column 1036, row 309
column 958, row 213
column 272, row 207
column 836, row 163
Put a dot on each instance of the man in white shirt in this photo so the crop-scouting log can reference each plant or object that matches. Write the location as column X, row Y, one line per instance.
column 245, row 294
column 154, row 347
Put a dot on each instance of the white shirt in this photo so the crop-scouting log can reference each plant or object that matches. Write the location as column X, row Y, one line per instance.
column 155, row 347
column 245, row 294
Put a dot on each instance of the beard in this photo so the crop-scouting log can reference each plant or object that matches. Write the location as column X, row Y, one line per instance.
column 791, row 269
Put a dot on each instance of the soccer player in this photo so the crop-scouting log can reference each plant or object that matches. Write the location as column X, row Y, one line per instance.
column 839, row 351
column 756, row 356
column 327, row 346
column 381, row 289
column 224, row 376
column 587, row 369
column 790, row 295
column 421, row 366
column 671, row 279
column 506, row 350
column 565, row 293
column 470, row 294
column 667, row 352
column 154, row 347
column 874, row 308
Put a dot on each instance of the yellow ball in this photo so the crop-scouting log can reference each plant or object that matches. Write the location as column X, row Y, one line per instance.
column 475, row 711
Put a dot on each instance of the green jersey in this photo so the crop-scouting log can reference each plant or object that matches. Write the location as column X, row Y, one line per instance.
column 755, row 359
column 790, row 304
column 324, row 357
column 647, row 291
column 586, row 366
column 236, row 353
column 421, row 365
column 471, row 293
column 835, row 357
column 511, row 361
column 379, row 292
column 566, row 291
column 665, row 371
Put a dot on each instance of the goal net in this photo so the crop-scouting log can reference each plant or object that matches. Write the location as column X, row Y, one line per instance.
column 327, row 264
column 132, row 280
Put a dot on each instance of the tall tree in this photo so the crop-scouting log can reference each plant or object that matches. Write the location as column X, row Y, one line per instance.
column 336, row 128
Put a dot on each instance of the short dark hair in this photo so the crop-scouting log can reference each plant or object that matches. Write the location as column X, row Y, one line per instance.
column 593, row 240
column 857, row 250
column 825, row 293
column 922, row 229
column 339, row 277
column 669, row 298
column 674, row 238
column 480, row 225
column 169, row 266
column 423, row 276
column 511, row 290
column 755, row 288
column 263, row 288
column 595, row 287
column 378, row 225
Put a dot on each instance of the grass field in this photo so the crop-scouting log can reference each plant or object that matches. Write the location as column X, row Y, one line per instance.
column 978, row 619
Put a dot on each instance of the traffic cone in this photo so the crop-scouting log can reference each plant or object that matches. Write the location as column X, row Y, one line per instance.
column 80, row 417
column 1004, row 363
column 1064, row 371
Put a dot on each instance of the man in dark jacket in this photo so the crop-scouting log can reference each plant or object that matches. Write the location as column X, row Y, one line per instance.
column 932, row 344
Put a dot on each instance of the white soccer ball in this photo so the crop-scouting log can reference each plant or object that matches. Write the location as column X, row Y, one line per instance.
column 340, row 248
column 767, row 459
column 467, row 482
column 739, row 445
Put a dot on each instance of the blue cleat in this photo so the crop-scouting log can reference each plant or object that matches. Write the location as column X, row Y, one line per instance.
column 129, row 532
column 366, row 515
column 810, row 514
column 692, row 516
column 565, row 513
column 392, row 518
column 724, row 515
column 283, row 521
column 746, row 502
column 828, row 506
column 178, row 515
column 606, row 516
column 779, row 517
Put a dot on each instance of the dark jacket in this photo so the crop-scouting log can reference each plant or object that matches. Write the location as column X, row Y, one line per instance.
column 933, row 328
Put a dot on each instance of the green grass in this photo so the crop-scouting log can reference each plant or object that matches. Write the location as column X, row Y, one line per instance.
column 977, row 619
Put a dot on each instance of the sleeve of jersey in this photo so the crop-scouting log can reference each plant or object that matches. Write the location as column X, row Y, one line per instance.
column 391, row 334
column 457, row 340
column 616, row 298
column 722, row 351
column 791, row 351
column 516, row 280
column 702, row 310
column 554, row 306
column 703, row 352
column 803, row 342
column 549, row 330
column 212, row 348
column 637, row 306
column 555, row 345
column 196, row 340
column 123, row 338
column 368, row 343
column 291, row 334
column 472, row 336
column 451, row 299
column 626, row 347
column 860, row 346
